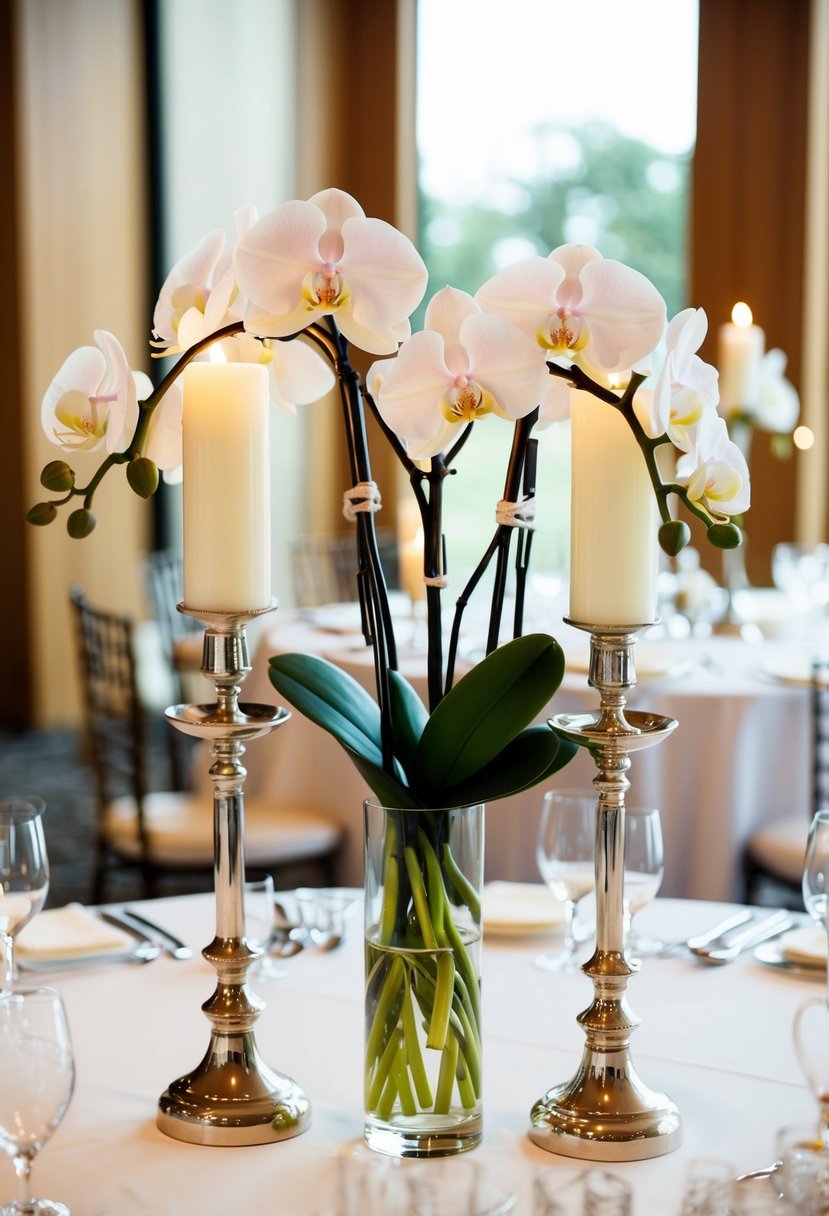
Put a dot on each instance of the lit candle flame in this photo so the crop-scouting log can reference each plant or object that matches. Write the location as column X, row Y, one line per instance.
column 741, row 316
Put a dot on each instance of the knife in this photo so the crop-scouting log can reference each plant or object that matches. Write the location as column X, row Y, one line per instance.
column 174, row 946
column 719, row 930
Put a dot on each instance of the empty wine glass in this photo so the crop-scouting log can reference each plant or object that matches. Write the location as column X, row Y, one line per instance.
column 24, row 871
column 258, row 895
column 816, row 868
column 644, row 869
column 38, row 1079
column 565, row 852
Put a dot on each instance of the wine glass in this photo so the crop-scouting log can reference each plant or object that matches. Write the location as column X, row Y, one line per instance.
column 816, row 867
column 258, row 895
column 644, row 869
column 24, row 871
column 565, row 853
column 38, row 1079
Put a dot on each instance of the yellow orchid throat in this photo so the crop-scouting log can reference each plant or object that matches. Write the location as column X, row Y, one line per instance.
column 563, row 333
column 325, row 289
column 84, row 426
column 466, row 401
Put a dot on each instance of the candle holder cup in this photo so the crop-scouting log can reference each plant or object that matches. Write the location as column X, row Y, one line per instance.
column 232, row 1097
column 605, row 1112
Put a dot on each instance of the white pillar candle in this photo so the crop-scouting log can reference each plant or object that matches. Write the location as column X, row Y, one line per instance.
column 226, row 487
column 613, row 520
column 741, row 346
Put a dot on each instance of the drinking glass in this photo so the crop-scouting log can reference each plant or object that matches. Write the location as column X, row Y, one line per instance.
column 38, row 1078
column 811, row 1044
column 565, row 852
column 644, row 869
column 258, row 895
column 816, row 867
column 24, row 872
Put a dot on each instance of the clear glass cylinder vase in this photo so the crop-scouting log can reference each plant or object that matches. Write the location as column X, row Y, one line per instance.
column 423, row 877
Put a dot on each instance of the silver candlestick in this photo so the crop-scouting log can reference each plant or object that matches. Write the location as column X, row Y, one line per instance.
column 605, row 1112
column 232, row 1097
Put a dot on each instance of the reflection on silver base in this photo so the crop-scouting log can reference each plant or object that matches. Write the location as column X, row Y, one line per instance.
column 233, row 1098
column 605, row 1113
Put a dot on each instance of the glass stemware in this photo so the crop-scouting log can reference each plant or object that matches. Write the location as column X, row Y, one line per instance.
column 644, row 870
column 24, row 872
column 38, row 1079
column 816, row 868
column 565, row 852
column 258, row 898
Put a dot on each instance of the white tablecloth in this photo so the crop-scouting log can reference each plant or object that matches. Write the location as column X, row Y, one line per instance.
column 740, row 757
column 716, row 1039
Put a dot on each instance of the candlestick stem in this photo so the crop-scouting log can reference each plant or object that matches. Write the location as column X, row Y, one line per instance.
column 232, row 1097
column 605, row 1112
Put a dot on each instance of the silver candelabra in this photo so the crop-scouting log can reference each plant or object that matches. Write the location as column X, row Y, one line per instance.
column 605, row 1112
column 232, row 1097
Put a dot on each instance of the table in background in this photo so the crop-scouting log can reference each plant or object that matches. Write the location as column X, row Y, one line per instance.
column 741, row 755
column 732, row 1072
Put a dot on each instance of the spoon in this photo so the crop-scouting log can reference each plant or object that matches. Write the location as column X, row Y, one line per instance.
column 758, row 931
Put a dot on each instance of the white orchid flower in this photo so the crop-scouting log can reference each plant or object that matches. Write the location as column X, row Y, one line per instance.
column 307, row 260
column 580, row 307
column 685, row 386
column 715, row 474
column 298, row 375
column 462, row 366
column 778, row 404
column 200, row 294
column 92, row 402
column 164, row 435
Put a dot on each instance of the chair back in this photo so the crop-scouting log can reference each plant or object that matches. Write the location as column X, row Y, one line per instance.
column 114, row 717
column 325, row 567
column 165, row 586
column 820, row 734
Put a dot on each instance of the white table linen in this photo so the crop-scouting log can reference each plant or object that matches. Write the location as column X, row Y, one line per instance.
column 717, row 1039
column 740, row 757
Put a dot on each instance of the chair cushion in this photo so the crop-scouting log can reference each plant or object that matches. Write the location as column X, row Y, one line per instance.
column 779, row 847
column 180, row 830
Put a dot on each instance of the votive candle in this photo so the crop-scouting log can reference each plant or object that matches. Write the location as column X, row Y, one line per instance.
column 741, row 347
column 226, row 487
column 613, row 520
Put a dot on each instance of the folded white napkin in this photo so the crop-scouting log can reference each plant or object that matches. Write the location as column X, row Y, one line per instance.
column 68, row 933
column 520, row 907
column 806, row 945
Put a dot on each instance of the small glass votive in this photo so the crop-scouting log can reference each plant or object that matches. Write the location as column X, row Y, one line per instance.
column 707, row 1187
column 581, row 1192
column 803, row 1176
column 759, row 1197
column 258, row 896
column 455, row 1188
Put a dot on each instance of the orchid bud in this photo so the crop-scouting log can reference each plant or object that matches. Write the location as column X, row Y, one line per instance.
column 142, row 474
column 725, row 536
column 57, row 476
column 41, row 513
column 674, row 535
column 80, row 523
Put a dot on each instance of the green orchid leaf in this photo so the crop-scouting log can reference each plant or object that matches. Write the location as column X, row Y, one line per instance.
column 409, row 717
column 529, row 758
column 332, row 699
column 488, row 707
column 386, row 789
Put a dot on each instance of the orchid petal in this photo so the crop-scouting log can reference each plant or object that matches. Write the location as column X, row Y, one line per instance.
column 505, row 362
column 383, row 340
column 164, row 435
column 524, row 293
column 337, row 207
column 274, row 256
column 196, row 267
column 265, row 325
column 386, row 275
column 625, row 312
column 554, row 405
column 443, row 438
column 573, row 259
column 412, row 387
column 299, row 374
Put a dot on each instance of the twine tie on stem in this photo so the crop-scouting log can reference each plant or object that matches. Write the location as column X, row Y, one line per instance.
column 365, row 496
column 516, row 514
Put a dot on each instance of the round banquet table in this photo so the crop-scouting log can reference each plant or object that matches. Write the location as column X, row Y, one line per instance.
column 740, row 757
column 731, row 1070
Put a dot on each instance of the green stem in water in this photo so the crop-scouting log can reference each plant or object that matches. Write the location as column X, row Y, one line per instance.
column 446, row 1077
column 413, row 1052
column 419, row 899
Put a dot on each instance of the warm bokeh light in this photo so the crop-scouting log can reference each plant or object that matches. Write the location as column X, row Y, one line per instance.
column 803, row 437
column 741, row 315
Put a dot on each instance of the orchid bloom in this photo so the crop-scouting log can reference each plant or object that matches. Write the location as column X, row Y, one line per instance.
column 715, row 474
column 93, row 400
column 164, row 436
column 462, row 366
column 685, row 387
column 200, row 294
column 324, row 257
column 580, row 307
column 778, row 404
